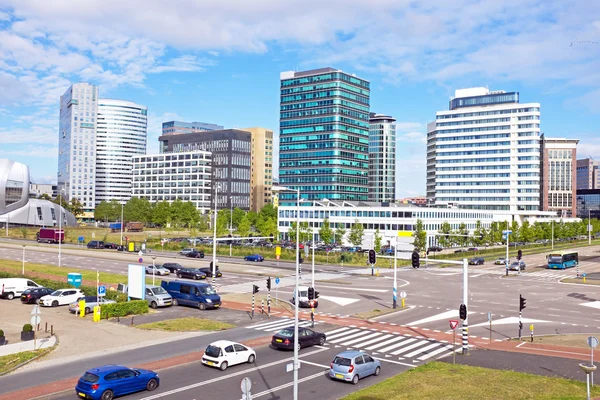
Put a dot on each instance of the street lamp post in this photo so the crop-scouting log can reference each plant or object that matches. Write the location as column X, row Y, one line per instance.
column 121, row 224
column 589, row 228
column 23, row 269
column 60, row 234
column 395, row 304
column 230, row 224
column 214, row 266
column 153, row 269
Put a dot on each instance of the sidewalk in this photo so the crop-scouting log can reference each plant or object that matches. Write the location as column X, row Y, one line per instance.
column 19, row 347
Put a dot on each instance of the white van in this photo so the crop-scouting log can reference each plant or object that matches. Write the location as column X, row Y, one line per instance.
column 13, row 287
column 303, row 296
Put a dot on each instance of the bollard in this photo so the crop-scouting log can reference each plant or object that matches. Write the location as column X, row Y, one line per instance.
column 38, row 327
column 584, row 276
column 402, row 303
column 46, row 328
column 262, row 306
column 131, row 321
column 51, row 330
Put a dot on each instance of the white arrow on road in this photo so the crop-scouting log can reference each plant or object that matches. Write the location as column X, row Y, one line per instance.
column 342, row 301
column 444, row 315
column 511, row 320
column 593, row 304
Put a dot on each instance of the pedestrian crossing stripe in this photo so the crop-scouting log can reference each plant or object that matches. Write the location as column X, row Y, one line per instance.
column 279, row 324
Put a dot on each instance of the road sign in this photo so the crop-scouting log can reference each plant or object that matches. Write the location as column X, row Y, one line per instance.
column 402, row 294
column 531, row 327
column 453, row 324
column 35, row 310
column 35, row 320
column 140, row 260
column 592, row 342
column 505, row 232
column 81, row 239
column 277, row 280
column 246, row 385
column 306, row 251
column 101, row 290
column 140, row 253
column 489, row 316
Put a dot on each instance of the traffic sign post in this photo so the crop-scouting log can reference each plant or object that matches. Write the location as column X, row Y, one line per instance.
column 593, row 343
column 402, row 297
column 531, row 329
column 246, row 386
column 277, row 280
column 101, row 291
column 490, row 321
column 453, row 325
column 35, row 321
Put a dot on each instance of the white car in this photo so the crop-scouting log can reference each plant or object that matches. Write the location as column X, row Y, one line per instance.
column 61, row 297
column 223, row 353
column 158, row 270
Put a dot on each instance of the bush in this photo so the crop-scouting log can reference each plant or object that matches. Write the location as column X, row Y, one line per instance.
column 1, row 333
column 124, row 309
column 27, row 328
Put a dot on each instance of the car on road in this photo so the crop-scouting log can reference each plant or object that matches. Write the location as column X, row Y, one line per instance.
column 209, row 271
column 476, row 261
column 195, row 294
column 185, row 252
column 224, row 353
column 303, row 296
column 436, row 248
column 284, row 339
column 111, row 245
column 90, row 303
column 255, row 258
column 95, row 244
column 157, row 270
column 172, row 267
column 195, row 254
column 191, row 273
column 350, row 366
column 459, row 251
column 517, row 265
column 474, row 249
column 110, row 381
column 500, row 261
column 61, row 297
column 33, row 295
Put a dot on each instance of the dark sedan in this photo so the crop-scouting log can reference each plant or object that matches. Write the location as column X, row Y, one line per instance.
column 191, row 273
column 172, row 267
column 195, row 254
column 476, row 261
column 255, row 258
column 208, row 272
column 306, row 337
column 30, row 296
column 113, row 246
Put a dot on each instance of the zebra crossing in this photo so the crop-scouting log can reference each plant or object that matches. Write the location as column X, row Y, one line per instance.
column 279, row 324
column 544, row 275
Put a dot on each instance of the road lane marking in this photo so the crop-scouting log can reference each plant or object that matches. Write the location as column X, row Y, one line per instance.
column 519, row 345
column 358, row 289
column 315, row 364
column 395, row 362
column 286, row 385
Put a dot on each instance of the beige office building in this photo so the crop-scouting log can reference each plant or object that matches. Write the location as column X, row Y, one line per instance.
column 261, row 165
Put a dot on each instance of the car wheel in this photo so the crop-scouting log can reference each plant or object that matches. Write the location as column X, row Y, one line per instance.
column 55, row 303
column 201, row 255
column 321, row 341
column 174, row 302
column 202, row 306
column 10, row 296
column 151, row 385
column 87, row 310
column 37, row 301
column 377, row 371
column 179, row 275
column 251, row 359
column 355, row 379
column 195, row 277
column 153, row 305
column 107, row 395
column 223, row 366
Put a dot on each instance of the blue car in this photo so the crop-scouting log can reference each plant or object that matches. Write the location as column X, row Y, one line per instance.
column 254, row 257
column 110, row 381
column 350, row 366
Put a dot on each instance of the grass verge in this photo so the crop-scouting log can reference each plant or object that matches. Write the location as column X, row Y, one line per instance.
column 375, row 313
column 580, row 281
column 188, row 324
column 12, row 360
column 438, row 380
column 560, row 340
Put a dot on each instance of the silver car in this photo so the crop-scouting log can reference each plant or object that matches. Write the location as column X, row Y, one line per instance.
column 350, row 366
column 158, row 270
column 90, row 303
column 517, row 265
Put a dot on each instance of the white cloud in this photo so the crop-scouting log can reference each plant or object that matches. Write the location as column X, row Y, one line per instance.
column 186, row 63
column 155, row 122
column 4, row 16
column 418, row 137
column 30, row 151
column 402, row 127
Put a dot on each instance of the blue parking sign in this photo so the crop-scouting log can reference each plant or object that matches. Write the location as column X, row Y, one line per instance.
column 277, row 280
column 101, row 290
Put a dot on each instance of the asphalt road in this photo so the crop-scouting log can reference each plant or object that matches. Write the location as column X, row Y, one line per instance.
column 269, row 378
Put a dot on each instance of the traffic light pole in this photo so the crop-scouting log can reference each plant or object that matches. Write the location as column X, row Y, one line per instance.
column 465, row 324
column 252, row 317
column 395, row 290
column 520, row 324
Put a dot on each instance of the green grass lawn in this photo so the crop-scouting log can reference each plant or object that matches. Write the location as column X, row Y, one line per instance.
column 188, row 324
column 12, row 360
column 438, row 380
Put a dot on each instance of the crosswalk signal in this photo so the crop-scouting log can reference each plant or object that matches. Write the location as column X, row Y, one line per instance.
column 415, row 259
column 269, row 283
column 519, row 255
column 254, row 289
column 372, row 257
column 311, row 293
column 521, row 303
column 463, row 312
column 316, row 294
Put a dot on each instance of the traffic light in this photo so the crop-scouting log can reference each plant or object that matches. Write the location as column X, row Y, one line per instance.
column 250, row 240
column 311, row 293
column 481, row 236
column 519, row 255
column 427, row 252
column 254, row 289
column 272, row 238
column 415, row 259
column 463, row 312
column 521, row 303
column 269, row 283
column 372, row 257
column 300, row 259
column 316, row 294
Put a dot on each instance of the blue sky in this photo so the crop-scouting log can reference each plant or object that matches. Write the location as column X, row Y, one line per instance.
column 219, row 62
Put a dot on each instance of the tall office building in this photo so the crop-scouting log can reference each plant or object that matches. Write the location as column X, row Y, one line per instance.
column 484, row 152
column 382, row 158
column 588, row 174
column 261, row 167
column 324, row 136
column 558, row 170
column 181, row 128
column 77, row 145
column 121, row 134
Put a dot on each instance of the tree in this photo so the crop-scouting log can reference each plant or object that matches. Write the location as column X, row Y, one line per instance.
column 189, row 214
column 325, row 232
column 515, row 236
column 268, row 211
column 526, row 232
column 463, row 231
column 75, row 207
column 443, row 240
column 377, row 241
column 420, row 236
column 340, row 232
column 244, row 226
column 305, row 232
column 138, row 210
column 479, row 233
column 162, row 213
column 177, row 212
column 101, row 211
column 252, row 217
column 238, row 214
column 45, row 196
column 203, row 224
column 62, row 201
column 268, row 227
column 356, row 234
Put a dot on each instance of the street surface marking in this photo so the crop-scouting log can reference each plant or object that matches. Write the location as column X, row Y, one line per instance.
column 342, row 301
column 437, row 317
column 511, row 320
column 394, row 362
column 352, row 288
column 279, row 324
column 285, row 385
column 315, row 364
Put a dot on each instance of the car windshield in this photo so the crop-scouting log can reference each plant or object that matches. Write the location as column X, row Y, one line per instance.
column 555, row 259
column 515, row 264
column 303, row 293
column 56, row 293
column 207, row 290
column 342, row 361
column 286, row 333
column 212, row 351
column 90, row 378
column 158, row 290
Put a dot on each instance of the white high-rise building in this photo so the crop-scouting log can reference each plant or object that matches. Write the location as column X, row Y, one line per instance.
column 484, row 152
column 77, row 145
column 121, row 134
column 382, row 158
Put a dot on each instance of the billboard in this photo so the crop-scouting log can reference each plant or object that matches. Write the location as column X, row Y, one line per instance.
column 136, row 281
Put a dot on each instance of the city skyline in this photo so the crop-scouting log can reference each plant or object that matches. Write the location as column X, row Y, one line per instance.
column 200, row 76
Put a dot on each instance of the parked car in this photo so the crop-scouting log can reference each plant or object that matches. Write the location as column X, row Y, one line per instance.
column 459, row 251
column 517, row 265
column 185, row 252
column 95, row 244
column 195, row 294
column 50, row 235
column 350, row 366
column 157, row 270
column 476, row 261
column 14, row 287
column 224, row 353
column 110, row 381
column 156, row 296
column 110, row 245
column 61, row 297
column 191, row 273
column 172, row 267
column 33, row 295
column 500, row 261
column 473, row 249
column 209, row 271
column 255, row 258
column 195, row 254
column 90, row 303
column 284, row 339
column 436, row 248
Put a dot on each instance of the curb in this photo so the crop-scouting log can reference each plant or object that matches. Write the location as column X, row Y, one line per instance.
column 32, row 359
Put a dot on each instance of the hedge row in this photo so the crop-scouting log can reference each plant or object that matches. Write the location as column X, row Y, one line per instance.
column 132, row 307
column 57, row 284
